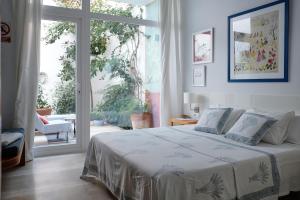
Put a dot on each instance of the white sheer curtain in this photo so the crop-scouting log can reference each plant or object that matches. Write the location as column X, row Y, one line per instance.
column 27, row 20
column 171, row 61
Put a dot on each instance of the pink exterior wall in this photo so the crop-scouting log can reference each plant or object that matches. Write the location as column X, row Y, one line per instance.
column 154, row 100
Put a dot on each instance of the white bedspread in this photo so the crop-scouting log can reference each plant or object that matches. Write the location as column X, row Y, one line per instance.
column 180, row 163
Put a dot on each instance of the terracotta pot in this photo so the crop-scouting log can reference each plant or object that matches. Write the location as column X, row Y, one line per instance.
column 44, row 111
column 141, row 120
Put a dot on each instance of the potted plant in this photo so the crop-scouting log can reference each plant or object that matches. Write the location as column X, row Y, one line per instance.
column 142, row 117
column 43, row 107
column 97, row 118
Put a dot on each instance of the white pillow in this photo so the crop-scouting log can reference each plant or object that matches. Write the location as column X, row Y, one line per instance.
column 277, row 133
column 250, row 128
column 293, row 133
column 233, row 117
column 213, row 120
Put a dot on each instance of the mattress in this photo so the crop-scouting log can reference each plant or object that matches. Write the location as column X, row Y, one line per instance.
column 180, row 163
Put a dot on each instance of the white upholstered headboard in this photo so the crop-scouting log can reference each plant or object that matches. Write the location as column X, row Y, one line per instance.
column 265, row 102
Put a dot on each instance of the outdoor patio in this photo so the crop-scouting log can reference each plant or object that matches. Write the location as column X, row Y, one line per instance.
column 41, row 139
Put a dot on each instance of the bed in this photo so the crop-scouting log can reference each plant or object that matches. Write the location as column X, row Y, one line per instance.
column 176, row 163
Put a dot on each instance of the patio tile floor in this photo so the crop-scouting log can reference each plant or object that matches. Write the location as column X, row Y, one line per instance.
column 42, row 140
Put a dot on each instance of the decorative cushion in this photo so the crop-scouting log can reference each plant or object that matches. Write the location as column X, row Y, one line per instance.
column 293, row 133
column 213, row 120
column 250, row 128
column 43, row 119
column 233, row 117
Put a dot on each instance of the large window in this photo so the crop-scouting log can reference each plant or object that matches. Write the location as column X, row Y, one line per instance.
column 105, row 72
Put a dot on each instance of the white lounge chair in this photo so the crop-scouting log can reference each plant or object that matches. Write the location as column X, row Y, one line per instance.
column 59, row 117
column 54, row 127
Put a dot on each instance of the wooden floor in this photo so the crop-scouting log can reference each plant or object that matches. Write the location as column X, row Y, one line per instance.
column 57, row 178
column 51, row 178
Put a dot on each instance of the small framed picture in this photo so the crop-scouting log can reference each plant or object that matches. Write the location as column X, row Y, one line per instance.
column 203, row 46
column 199, row 76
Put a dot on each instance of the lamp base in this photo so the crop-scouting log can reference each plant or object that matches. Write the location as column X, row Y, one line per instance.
column 195, row 115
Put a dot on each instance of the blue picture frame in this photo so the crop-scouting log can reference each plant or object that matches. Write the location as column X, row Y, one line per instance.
column 285, row 39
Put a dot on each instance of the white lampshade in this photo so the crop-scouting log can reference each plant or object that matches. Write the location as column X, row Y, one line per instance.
column 189, row 98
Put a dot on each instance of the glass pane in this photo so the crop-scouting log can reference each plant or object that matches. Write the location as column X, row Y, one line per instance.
column 142, row 9
column 76, row 4
column 56, row 101
column 125, row 76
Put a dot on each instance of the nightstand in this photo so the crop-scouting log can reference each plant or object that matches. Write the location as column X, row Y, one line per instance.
column 182, row 121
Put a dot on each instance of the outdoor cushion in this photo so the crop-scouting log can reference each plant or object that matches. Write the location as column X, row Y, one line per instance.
column 43, row 119
column 60, row 117
column 54, row 126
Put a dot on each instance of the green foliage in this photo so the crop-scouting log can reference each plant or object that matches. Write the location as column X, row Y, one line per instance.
column 57, row 30
column 69, row 3
column 96, row 116
column 117, row 97
column 41, row 99
column 118, row 103
column 67, row 73
column 64, row 99
column 121, row 119
column 121, row 68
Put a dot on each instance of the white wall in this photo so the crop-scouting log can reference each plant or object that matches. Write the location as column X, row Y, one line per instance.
column 8, row 78
column 203, row 14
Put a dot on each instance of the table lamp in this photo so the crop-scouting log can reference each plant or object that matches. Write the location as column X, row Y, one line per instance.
column 194, row 101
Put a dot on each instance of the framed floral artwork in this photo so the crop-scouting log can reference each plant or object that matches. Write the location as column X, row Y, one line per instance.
column 203, row 46
column 199, row 76
column 258, row 44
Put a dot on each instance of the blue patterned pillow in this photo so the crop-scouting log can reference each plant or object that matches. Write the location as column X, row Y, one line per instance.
column 213, row 120
column 250, row 128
